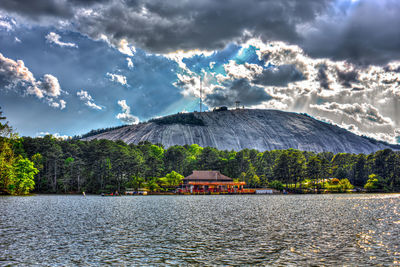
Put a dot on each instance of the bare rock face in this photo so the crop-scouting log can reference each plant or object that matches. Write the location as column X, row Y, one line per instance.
column 245, row 128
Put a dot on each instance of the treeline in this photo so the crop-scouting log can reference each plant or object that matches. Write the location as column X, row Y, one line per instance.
column 16, row 171
column 180, row 118
column 107, row 166
column 51, row 165
column 97, row 131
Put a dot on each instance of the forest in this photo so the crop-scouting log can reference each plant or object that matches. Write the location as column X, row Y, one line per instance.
column 51, row 165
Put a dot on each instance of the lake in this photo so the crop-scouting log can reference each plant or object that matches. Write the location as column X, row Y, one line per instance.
column 342, row 229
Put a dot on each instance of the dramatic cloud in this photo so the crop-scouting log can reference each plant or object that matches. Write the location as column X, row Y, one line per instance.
column 238, row 90
column 279, row 76
column 15, row 75
column 361, row 31
column 50, row 85
column 87, row 98
column 287, row 78
column 54, row 38
column 359, row 112
column 117, row 78
column 337, row 91
column 124, row 48
column 337, row 60
column 126, row 115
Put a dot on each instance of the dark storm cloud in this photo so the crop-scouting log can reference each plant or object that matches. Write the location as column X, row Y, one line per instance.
column 52, row 8
column 164, row 26
column 38, row 8
column 323, row 77
column 279, row 76
column 346, row 78
column 365, row 33
column 239, row 90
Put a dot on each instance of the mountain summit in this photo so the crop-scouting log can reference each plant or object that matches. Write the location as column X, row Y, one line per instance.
column 244, row 128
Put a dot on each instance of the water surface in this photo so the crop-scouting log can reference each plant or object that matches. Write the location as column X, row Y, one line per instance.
column 212, row 230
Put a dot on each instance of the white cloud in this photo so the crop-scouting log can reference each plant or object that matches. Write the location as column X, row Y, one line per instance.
column 60, row 104
column 87, row 98
column 125, row 48
column 6, row 25
column 50, row 85
column 130, row 63
column 55, row 135
column 14, row 75
column 126, row 115
column 54, row 38
column 179, row 55
column 117, row 78
column 242, row 71
column 362, row 113
column 365, row 97
column 346, row 94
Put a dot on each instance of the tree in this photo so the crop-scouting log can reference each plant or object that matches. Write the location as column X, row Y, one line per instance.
column 296, row 166
column 360, row 172
column 175, row 159
column 37, row 160
column 136, row 182
column 281, row 168
column 251, row 178
column 7, row 171
column 5, row 128
column 344, row 185
column 275, row 184
column 7, row 158
column 152, row 185
column 209, row 159
column 174, row 178
column 374, row 183
column 24, row 176
column 69, row 162
column 314, row 169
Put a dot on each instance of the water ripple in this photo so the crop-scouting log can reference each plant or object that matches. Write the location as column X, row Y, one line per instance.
column 333, row 230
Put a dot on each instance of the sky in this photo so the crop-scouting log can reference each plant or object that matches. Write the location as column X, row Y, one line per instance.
column 70, row 66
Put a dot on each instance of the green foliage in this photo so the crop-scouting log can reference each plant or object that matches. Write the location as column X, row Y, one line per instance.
column 95, row 166
column 181, row 118
column 275, row 184
column 16, row 172
column 341, row 186
column 334, row 181
column 375, row 183
column 24, row 176
column 153, row 185
column 136, row 182
column 172, row 179
column 251, row 178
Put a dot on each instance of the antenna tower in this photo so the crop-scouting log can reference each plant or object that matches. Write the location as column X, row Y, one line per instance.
column 201, row 94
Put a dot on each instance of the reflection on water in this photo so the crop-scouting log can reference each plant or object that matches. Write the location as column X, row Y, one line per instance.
column 213, row 230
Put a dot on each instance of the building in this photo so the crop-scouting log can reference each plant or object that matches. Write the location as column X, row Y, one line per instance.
column 210, row 182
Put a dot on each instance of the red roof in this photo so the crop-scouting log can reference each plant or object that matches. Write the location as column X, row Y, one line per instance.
column 207, row 176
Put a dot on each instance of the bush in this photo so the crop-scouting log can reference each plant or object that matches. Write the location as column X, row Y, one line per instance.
column 375, row 182
column 334, row 181
column 185, row 119
column 341, row 186
column 275, row 184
